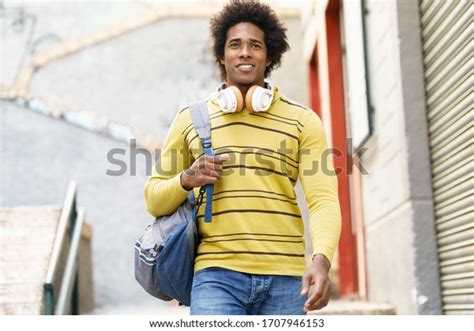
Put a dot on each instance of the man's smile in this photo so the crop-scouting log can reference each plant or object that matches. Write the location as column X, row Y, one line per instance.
column 245, row 67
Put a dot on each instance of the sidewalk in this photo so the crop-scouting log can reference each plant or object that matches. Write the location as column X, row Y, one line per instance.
column 346, row 307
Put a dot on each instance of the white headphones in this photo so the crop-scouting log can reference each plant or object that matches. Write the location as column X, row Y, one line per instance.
column 257, row 99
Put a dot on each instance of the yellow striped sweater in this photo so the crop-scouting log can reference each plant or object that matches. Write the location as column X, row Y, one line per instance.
column 256, row 224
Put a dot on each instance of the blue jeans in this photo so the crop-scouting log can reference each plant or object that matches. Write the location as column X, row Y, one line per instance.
column 218, row 291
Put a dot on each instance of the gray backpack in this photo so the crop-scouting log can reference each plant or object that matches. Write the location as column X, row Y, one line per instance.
column 165, row 252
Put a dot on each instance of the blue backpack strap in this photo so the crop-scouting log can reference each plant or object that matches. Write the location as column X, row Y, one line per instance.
column 202, row 125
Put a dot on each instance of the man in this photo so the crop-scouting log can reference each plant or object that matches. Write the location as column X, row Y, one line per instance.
column 251, row 256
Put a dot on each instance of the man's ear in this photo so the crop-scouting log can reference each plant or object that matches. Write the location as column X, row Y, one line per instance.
column 221, row 61
column 268, row 62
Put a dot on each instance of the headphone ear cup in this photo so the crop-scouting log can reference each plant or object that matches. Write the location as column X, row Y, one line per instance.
column 239, row 99
column 249, row 96
column 230, row 100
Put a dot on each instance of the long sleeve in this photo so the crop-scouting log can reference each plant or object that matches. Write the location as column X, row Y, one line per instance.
column 163, row 190
column 319, row 182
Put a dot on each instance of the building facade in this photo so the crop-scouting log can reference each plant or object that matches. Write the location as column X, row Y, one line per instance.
column 392, row 82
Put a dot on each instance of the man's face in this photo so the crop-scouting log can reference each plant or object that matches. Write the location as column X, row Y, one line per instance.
column 245, row 55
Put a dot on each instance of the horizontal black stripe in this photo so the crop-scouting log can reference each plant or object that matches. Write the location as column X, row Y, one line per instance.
column 249, row 125
column 183, row 109
column 273, row 119
column 250, row 196
column 265, row 114
column 257, row 127
column 189, row 107
column 252, row 252
column 255, row 234
column 261, row 191
column 259, row 168
column 248, row 239
column 295, row 104
column 254, row 153
column 188, row 129
column 258, row 211
column 211, row 117
column 258, row 149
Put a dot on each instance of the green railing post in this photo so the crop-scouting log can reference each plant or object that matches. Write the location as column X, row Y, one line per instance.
column 75, row 296
column 48, row 299
column 68, row 291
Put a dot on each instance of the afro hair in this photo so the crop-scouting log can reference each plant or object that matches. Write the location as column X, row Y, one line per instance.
column 249, row 11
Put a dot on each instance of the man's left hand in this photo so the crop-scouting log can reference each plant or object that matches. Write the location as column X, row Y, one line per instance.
column 316, row 274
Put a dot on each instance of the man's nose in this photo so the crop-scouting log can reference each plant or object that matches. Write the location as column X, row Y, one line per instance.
column 245, row 51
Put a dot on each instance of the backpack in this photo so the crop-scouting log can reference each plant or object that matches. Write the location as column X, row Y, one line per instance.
column 165, row 252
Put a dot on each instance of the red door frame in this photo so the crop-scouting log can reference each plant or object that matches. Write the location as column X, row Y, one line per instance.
column 347, row 250
column 315, row 94
column 347, row 247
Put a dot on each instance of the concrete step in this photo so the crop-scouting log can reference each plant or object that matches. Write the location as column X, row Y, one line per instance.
column 27, row 236
column 351, row 307
column 161, row 308
column 335, row 307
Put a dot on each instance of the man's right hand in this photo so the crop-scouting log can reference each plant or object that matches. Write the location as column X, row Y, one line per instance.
column 205, row 170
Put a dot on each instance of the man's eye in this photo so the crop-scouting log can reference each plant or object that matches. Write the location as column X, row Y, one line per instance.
column 233, row 45
column 256, row 46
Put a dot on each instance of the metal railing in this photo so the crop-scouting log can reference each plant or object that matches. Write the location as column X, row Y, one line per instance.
column 67, row 296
